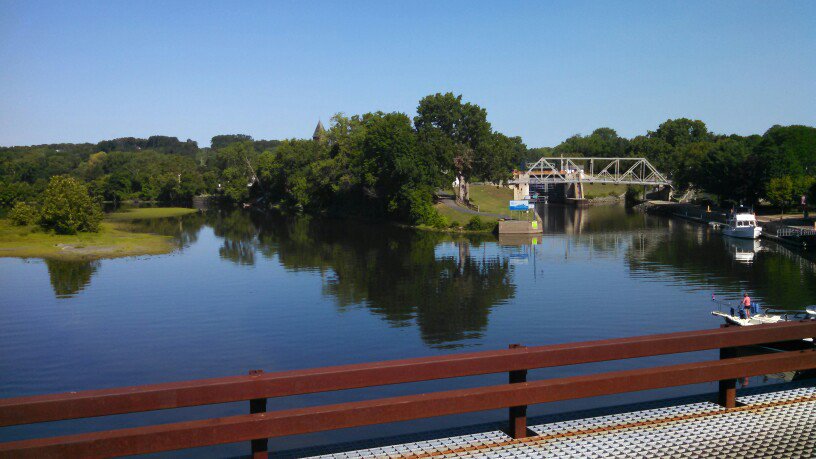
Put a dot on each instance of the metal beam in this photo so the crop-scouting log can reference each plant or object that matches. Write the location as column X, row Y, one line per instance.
column 637, row 171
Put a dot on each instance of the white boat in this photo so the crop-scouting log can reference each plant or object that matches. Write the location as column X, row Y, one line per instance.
column 742, row 224
column 759, row 315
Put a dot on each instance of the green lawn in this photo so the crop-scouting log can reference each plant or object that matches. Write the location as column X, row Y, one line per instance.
column 144, row 213
column 599, row 190
column 114, row 239
column 491, row 199
column 453, row 215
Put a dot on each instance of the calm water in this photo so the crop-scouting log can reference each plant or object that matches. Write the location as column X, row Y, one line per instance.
column 250, row 291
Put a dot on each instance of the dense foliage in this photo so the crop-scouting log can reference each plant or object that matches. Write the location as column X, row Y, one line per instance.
column 389, row 165
column 778, row 166
column 67, row 208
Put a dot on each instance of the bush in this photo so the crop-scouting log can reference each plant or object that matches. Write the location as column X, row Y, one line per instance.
column 420, row 208
column 23, row 214
column 454, row 224
column 633, row 194
column 476, row 224
column 67, row 208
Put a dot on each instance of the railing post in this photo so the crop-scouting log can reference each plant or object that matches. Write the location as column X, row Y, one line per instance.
column 260, row 446
column 517, row 427
column 727, row 396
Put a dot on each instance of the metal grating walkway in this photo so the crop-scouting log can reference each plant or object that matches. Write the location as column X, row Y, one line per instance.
column 778, row 424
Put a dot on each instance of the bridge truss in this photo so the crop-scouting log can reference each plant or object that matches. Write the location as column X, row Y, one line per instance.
column 626, row 171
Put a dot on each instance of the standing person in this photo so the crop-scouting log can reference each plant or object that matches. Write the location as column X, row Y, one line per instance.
column 746, row 305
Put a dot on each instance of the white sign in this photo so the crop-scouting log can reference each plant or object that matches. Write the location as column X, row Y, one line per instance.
column 519, row 205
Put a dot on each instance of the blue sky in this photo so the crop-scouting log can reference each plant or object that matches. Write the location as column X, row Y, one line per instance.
column 86, row 71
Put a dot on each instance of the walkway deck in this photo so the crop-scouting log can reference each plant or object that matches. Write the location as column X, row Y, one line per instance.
column 770, row 424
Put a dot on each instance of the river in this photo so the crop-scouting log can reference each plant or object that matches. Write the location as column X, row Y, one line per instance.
column 248, row 291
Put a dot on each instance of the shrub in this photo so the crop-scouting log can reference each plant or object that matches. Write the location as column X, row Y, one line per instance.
column 24, row 214
column 633, row 194
column 455, row 224
column 67, row 208
column 476, row 224
column 420, row 208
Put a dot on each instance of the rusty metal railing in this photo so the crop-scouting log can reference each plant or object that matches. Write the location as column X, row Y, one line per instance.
column 260, row 425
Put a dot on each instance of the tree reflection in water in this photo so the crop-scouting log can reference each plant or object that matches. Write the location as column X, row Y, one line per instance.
column 394, row 272
column 70, row 277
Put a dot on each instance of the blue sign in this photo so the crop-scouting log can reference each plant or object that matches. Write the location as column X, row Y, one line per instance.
column 519, row 205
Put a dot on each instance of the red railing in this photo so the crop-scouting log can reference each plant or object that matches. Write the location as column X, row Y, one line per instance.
column 256, row 387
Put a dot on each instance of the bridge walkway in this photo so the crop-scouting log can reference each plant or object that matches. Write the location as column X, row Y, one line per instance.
column 770, row 423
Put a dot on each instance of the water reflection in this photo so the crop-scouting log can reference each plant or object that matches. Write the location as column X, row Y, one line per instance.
column 702, row 258
column 395, row 273
column 743, row 250
column 70, row 277
column 447, row 285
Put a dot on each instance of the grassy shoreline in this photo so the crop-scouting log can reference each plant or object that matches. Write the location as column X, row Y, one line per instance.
column 115, row 239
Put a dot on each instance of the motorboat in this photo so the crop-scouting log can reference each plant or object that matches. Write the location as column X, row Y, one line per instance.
column 734, row 314
column 742, row 224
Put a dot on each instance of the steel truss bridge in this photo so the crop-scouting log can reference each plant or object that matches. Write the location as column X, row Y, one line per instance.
column 626, row 171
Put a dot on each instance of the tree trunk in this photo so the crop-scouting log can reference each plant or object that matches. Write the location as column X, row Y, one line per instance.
column 464, row 189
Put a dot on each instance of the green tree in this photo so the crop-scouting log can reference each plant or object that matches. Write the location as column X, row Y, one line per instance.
column 466, row 126
column 681, row 131
column 787, row 150
column 236, row 163
column 67, row 208
column 780, row 191
column 221, row 141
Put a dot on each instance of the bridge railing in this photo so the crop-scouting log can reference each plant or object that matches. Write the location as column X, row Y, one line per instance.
column 259, row 425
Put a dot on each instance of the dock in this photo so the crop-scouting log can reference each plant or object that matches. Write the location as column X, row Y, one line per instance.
column 771, row 422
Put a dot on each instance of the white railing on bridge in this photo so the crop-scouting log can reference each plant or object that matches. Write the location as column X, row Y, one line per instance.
column 627, row 171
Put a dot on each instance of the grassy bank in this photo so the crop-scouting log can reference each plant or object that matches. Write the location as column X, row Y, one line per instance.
column 113, row 240
column 491, row 199
column 455, row 216
column 145, row 213
column 602, row 190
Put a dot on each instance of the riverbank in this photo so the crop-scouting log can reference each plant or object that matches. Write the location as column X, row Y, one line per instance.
column 115, row 238
column 772, row 230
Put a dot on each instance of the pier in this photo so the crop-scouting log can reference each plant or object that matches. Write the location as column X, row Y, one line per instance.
column 258, row 426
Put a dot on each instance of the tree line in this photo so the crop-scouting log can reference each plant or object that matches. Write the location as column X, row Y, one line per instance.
column 389, row 165
column 778, row 166
column 380, row 165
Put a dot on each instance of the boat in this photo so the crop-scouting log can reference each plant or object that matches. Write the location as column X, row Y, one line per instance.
column 742, row 224
column 734, row 314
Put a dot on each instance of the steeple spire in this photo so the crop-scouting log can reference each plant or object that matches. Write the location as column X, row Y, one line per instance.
column 319, row 131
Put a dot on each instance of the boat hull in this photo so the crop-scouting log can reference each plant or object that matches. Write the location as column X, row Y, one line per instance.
column 746, row 232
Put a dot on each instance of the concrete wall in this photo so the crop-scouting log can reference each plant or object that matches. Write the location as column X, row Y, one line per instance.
column 519, row 227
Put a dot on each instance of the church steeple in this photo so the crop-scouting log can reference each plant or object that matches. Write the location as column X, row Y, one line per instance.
column 319, row 132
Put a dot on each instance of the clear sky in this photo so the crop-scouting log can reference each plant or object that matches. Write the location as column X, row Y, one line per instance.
column 79, row 71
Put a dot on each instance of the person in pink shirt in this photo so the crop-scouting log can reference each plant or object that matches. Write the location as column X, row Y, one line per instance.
column 746, row 305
